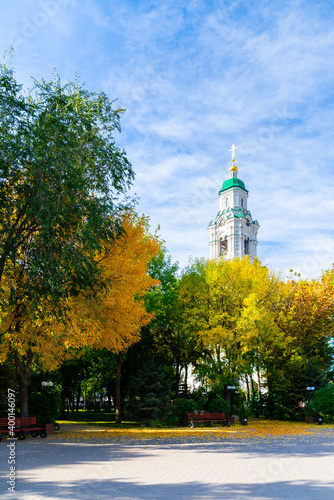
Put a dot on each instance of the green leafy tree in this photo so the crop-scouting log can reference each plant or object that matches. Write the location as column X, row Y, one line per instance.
column 175, row 343
column 61, row 178
column 323, row 400
column 163, row 338
column 45, row 404
column 149, row 393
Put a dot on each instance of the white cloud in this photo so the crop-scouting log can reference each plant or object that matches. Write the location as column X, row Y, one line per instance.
column 195, row 78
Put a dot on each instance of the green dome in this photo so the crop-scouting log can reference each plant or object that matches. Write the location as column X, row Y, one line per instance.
column 233, row 182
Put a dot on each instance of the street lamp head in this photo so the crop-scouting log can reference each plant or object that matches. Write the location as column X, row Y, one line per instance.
column 231, row 387
column 310, row 388
column 47, row 384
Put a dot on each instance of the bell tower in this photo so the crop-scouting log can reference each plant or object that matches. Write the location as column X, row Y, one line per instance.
column 233, row 233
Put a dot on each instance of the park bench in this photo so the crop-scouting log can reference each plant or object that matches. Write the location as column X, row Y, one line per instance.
column 208, row 418
column 22, row 426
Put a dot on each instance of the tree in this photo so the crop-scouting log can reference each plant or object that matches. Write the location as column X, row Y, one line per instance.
column 307, row 318
column 324, row 400
column 150, row 393
column 215, row 294
column 173, row 344
column 113, row 320
column 289, row 333
column 61, row 177
column 252, row 324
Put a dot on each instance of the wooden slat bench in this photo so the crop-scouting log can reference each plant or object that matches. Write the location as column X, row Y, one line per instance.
column 22, row 426
column 208, row 418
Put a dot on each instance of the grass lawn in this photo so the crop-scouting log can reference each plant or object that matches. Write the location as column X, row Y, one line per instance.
column 100, row 418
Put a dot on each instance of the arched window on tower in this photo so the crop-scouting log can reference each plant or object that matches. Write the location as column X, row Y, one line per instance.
column 226, row 202
column 223, row 246
column 246, row 246
column 242, row 203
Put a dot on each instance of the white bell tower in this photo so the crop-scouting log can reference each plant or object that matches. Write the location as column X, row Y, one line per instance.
column 233, row 233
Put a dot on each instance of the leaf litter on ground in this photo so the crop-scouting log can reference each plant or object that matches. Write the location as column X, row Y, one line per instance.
column 259, row 430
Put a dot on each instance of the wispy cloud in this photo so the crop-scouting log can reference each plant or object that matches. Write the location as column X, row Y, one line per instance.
column 196, row 77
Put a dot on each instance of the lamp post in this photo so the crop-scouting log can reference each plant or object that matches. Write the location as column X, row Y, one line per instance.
column 48, row 385
column 311, row 389
column 230, row 388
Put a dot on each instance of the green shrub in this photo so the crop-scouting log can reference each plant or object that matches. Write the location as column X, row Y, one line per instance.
column 216, row 402
column 154, row 424
column 244, row 410
column 45, row 404
column 178, row 410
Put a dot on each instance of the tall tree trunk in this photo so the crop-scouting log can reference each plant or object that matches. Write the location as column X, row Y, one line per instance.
column 258, row 379
column 23, row 376
column 118, row 398
column 186, row 380
column 268, row 383
column 227, row 395
column 259, row 386
column 63, row 391
column 247, row 385
column 109, row 402
column 109, row 394
column 177, row 379
column 253, row 396
column 63, row 403
column 78, row 396
column 253, row 388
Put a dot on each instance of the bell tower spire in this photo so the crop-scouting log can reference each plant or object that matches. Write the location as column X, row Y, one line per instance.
column 233, row 233
column 233, row 171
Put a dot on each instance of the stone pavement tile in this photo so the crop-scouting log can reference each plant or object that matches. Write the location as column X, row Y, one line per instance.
column 63, row 470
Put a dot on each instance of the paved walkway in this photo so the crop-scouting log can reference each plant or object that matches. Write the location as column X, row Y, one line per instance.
column 63, row 469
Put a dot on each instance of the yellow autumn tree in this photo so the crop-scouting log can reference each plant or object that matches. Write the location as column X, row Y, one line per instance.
column 214, row 294
column 304, row 312
column 111, row 318
column 28, row 335
column 226, row 304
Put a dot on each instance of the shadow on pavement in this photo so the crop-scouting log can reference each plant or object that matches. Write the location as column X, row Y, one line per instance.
column 117, row 490
column 53, row 457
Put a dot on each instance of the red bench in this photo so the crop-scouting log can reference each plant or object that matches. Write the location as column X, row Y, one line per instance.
column 208, row 418
column 22, row 426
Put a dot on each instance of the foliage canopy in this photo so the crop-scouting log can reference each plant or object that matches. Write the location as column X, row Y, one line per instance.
column 61, row 177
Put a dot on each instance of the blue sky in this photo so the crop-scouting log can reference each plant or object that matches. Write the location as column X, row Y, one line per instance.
column 195, row 77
